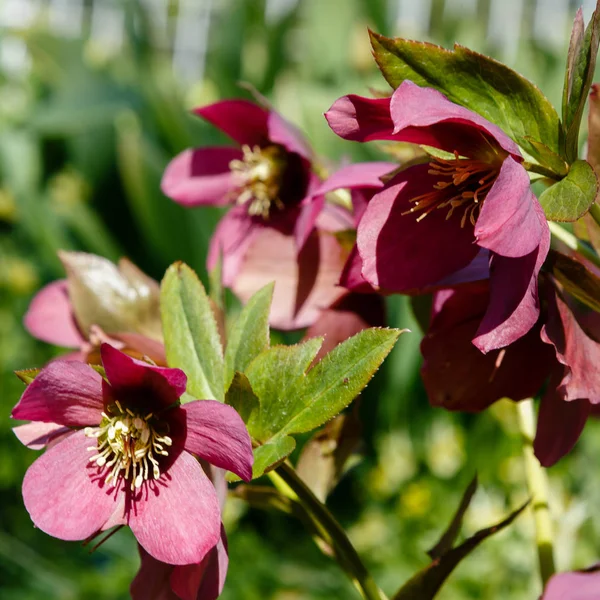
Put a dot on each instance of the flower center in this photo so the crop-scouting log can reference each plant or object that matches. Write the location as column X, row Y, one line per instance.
column 128, row 445
column 464, row 183
column 259, row 178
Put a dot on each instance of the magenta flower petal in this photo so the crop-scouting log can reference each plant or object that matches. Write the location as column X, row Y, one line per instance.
column 401, row 254
column 305, row 223
column 287, row 135
column 63, row 492
column 153, row 580
column 412, row 106
column 243, row 121
column 457, row 376
column 37, row 435
column 559, row 426
column 126, row 374
column 576, row 585
column 201, row 176
column 216, row 433
column 232, row 238
column 50, row 316
column 361, row 119
column 578, row 352
column 305, row 282
column 177, row 519
column 64, row 392
column 508, row 223
column 514, row 305
column 206, row 580
column 352, row 277
column 359, row 175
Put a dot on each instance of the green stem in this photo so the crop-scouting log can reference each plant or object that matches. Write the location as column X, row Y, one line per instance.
column 573, row 242
column 342, row 545
column 595, row 212
column 538, row 489
column 541, row 170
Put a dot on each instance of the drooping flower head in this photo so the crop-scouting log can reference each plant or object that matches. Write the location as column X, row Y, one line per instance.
column 126, row 455
column 98, row 302
column 431, row 220
column 267, row 177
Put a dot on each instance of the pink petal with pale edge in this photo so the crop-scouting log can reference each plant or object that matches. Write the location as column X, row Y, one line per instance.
column 50, row 316
column 422, row 107
column 177, row 518
column 508, row 223
column 578, row 352
column 402, row 254
column 359, row 175
column 63, row 492
column 125, row 373
column 305, row 282
column 201, row 176
column 243, row 121
column 573, row 586
column 38, row 435
column 64, row 392
column 216, row 433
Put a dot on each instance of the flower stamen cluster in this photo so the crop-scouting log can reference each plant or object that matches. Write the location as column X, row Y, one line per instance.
column 259, row 175
column 466, row 182
column 128, row 445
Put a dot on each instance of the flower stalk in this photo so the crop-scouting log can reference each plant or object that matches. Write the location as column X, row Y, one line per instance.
column 573, row 242
column 537, row 484
column 344, row 550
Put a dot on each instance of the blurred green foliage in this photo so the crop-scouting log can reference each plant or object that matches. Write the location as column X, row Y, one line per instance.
column 85, row 133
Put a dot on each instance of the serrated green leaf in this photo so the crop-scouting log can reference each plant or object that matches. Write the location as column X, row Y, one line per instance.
column 576, row 279
column 427, row 582
column 339, row 377
column 545, row 156
column 250, row 333
column 277, row 377
column 475, row 81
column 268, row 456
column 241, row 397
column 192, row 340
column 27, row 375
column 571, row 197
column 581, row 62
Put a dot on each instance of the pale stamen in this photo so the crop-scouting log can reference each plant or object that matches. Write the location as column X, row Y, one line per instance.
column 259, row 176
column 127, row 446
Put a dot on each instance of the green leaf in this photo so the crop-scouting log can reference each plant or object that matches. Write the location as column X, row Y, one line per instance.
column 241, row 397
column 277, row 377
column 576, row 279
column 581, row 62
column 250, row 333
column 192, row 340
column 571, row 198
column 339, row 377
column 447, row 540
column 475, row 81
column 545, row 156
column 27, row 375
column 427, row 582
column 268, row 456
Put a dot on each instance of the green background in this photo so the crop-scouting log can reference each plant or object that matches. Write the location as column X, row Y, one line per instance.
column 85, row 132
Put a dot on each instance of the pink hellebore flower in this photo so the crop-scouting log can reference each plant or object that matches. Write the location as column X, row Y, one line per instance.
column 126, row 455
column 556, row 350
column 431, row 220
column 267, row 178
